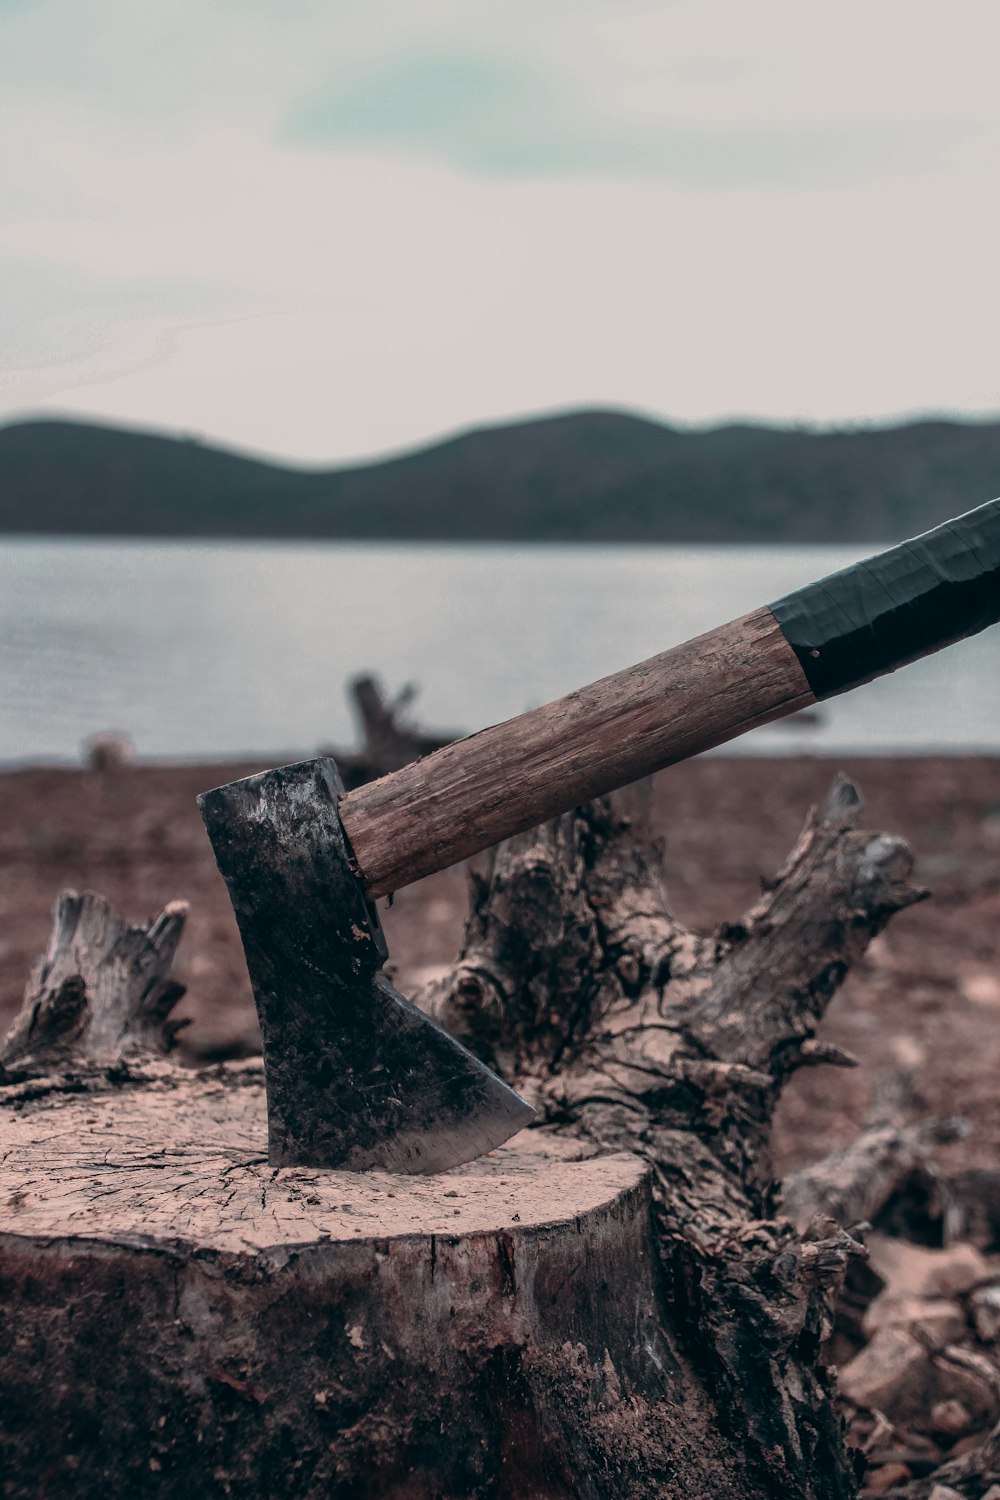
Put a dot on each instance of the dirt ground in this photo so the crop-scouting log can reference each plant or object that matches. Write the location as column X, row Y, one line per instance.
column 927, row 997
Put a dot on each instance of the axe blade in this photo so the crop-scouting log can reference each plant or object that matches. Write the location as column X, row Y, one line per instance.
column 356, row 1075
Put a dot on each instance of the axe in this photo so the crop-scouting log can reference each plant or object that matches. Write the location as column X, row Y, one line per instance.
column 356, row 1076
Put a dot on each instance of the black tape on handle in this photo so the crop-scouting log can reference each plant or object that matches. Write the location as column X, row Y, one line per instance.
column 898, row 606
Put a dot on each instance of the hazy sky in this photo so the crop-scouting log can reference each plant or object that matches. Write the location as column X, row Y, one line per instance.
column 324, row 228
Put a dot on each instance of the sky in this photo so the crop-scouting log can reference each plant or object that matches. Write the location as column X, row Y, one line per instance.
column 324, row 229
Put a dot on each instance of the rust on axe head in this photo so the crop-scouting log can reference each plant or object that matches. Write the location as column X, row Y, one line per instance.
column 356, row 1076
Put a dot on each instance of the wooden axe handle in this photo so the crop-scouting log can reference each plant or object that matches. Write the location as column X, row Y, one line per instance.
column 821, row 640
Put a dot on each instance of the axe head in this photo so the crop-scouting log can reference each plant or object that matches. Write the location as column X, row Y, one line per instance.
column 356, row 1076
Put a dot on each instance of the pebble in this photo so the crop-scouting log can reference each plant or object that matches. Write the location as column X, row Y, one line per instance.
column 919, row 1272
column 970, row 1380
column 984, row 1308
column 915, row 1449
column 886, row 1478
column 966, row 1445
column 981, row 987
column 890, row 1375
column 938, row 1317
column 950, row 1418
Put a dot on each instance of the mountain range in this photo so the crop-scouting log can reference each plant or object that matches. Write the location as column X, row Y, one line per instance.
column 601, row 476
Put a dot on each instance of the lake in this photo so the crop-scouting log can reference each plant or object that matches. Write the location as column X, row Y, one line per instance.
column 219, row 649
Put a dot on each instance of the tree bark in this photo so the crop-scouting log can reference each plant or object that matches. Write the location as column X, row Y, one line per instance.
column 626, row 1029
column 607, row 1307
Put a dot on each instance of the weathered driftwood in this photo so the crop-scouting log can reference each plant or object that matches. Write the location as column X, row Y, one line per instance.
column 607, row 1309
column 102, row 990
column 889, row 1176
column 890, row 1166
column 638, row 1035
column 388, row 739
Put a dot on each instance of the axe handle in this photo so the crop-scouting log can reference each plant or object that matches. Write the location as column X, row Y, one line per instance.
column 514, row 775
column 830, row 636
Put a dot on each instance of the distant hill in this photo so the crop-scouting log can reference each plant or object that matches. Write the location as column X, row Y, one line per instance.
column 585, row 476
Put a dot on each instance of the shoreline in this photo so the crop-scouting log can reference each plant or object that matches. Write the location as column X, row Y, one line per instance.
column 736, row 749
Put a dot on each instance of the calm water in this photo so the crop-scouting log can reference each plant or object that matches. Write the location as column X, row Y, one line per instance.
column 214, row 649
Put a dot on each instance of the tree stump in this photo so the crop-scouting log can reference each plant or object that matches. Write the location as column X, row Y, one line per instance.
column 606, row 1307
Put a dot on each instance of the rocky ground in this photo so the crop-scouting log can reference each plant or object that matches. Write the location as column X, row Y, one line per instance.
column 920, row 1370
column 919, row 1335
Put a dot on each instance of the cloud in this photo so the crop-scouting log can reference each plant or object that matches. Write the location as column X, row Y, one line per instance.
column 482, row 112
column 708, row 93
column 498, row 116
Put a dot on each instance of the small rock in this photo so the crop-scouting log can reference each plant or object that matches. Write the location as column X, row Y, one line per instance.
column 968, row 1378
column 993, row 1493
column 944, row 1492
column 940, row 1319
column 915, row 1449
column 949, row 1418
column 908, row 1052
column 965, row 1445
column 886, row 1478
column 984, row 1307
column 981, row 987
column 920, row 1272
column 890, row 1374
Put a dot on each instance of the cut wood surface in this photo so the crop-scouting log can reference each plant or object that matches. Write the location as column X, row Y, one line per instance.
column 477, row 791
column 180, row 1158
